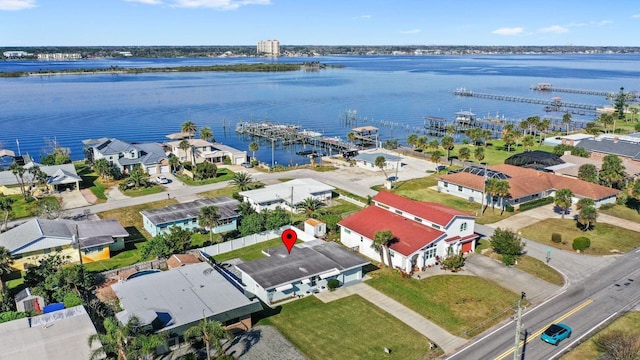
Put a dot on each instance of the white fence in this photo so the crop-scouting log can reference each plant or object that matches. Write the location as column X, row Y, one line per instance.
column 239, row 243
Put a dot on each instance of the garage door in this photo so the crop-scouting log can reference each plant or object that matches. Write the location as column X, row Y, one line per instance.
column 467, row 247
column 152, row 170
column 165, row 169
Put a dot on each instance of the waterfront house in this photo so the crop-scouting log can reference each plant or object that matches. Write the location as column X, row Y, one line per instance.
column 171, row 301
column 304, row 271
column 201, row 150
column 37, row 238
column 423, row 232
column 58, row 177
column 367, row 160
column 287, row 194
column 627, row 147
column 185, row 215
column 128, row 156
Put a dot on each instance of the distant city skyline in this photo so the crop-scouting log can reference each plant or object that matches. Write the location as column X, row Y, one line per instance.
column 329, row 22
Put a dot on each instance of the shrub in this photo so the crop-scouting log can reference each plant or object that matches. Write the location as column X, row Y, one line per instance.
column 508, row 260
column 581, row 243
column 536, row 203
column 556, row 238
column 606, row 206
column 509, row 208
column 227, row 160
column 70, row 300
column 333, row 284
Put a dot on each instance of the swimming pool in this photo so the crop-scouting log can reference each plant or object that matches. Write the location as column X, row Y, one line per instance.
column 142, row 273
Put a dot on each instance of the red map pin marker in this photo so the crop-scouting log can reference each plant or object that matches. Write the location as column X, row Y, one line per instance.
column 289, row 238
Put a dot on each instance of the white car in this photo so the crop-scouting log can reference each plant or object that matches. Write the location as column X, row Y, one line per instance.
column 161, row 179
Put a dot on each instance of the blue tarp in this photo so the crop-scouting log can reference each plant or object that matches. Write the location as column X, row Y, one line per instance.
column 52, row 307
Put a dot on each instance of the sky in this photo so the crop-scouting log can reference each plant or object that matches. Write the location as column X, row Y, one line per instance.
column 320, row 22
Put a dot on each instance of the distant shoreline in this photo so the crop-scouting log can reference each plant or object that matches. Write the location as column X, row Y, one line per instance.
column 114, row 70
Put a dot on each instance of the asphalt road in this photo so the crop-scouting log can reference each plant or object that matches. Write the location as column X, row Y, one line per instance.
column 593, row 296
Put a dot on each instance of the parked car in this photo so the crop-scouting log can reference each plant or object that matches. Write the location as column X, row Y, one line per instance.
column 161, row 179
column 556, row 333
column 247, row 164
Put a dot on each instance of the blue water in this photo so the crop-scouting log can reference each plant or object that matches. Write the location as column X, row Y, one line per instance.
column 386, row 91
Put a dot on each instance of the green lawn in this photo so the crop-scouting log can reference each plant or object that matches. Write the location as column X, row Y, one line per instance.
column 349, row 328
column 622, row 212
column 495, row 153
column 457, row 303
column 418, row 189
column 251, row 252
column 605, row 239
column 129, row 256
column 227, row 191
column 91, row 180
column 587, row 350
column 223, row 174
column 148, row 190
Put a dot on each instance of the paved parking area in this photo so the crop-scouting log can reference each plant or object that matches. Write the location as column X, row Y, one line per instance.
column 263, row 343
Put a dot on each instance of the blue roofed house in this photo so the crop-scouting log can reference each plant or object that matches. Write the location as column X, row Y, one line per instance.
column 185, row 215
column 150, row 157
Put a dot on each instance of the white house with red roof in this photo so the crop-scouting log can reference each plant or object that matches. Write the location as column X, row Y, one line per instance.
column 424, row 232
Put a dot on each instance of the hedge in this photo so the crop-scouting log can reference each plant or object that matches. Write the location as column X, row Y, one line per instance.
column 536, row 203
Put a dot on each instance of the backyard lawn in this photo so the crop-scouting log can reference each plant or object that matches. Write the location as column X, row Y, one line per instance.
column 92, row 181
column 623, row 212
column 130, row 216
column 349, row 328
column 457, row 303
column 419, row 189
column 605, row 239
column 588, row 350
column 251, row 252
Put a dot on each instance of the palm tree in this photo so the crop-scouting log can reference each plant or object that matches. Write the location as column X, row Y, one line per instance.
column 211, row 332
column 566, row 119
column 464, row 153
column 242, row 180
column 528, row 141
column 496, row 188
column 351, row 136
column 421, row 142
column 502, row 190
column 433, row 144
column 412, row 140
column 383, row 240
column 563, row 199
column 253, row 147
column 189, row 127
column 5, row 265
column 380, row 162
column 450, row 129
column 447, row 144
column 18, row 171
column 145, row 345
column 206, row 133
column 310, row 206
column 435, row 156
column 478, row 154
column 138, row 177
column 102, row 167
column 174, row 162
column 185, row 146
column 6, row 205
column 116, row 339
column 542, row 127
column 209, row 217
column 587, row 216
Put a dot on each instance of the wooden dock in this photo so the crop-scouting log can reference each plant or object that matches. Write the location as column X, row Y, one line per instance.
column 609, row 95
column 554, row 104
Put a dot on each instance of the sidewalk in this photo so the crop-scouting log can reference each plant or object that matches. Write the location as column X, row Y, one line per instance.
column 442, row 338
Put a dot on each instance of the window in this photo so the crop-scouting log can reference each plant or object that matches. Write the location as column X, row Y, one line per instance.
column 383, row 206
column 347, row 231
column 463, row 226
column 417, row 219
column 430, row 251
column 58, row 248
column 392, row 253
column 398, row 212
column 47, row 251
column 446, row 184
column 435, row 226
column 361, row 238
column 459, row 188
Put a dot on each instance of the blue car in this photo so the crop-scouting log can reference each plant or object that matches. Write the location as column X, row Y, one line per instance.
column 556, row 333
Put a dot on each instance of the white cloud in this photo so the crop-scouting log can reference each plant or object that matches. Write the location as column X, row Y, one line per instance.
column 12, row 5
column 556, row 29
column 601, row 23
column 218, row 4
column 363, row 17
column 148, row 2
column 508, row 31
column 635, row 16
column 412, row 31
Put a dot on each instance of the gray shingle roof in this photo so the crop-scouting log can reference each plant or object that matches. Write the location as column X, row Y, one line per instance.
column 227, row 209
column 621, row 148
column 304, row 261
column 53, row 171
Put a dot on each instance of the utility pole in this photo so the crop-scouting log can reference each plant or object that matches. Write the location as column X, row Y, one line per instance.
column 516, row 349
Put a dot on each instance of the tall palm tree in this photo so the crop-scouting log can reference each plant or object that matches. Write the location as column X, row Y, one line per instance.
column 412, row 140
column 478, row 154
column 447, row 144
column 502, row 191
column 566, row 119
column 242, row 180
column 211, row 332
column 18, row 171
column 5, row 265
column 421, row 142
column 450, row 129
column 491, row 189
column 528, row 141
column 542, row 127
column 587, row 216
column 310, row 206
column 351, row 136
column 174, row 162
column 116, row 340
column 6, row 205
column 253, row 147
column 209, row 217
column 563, row 199
column 145, row 345
column 206, row 133
column 189, row 127
column 384, row 238
column 381, row 162
column 138, row 176
column 464, row 153
column 102, row 167
column 185, row 146
column 435, row 157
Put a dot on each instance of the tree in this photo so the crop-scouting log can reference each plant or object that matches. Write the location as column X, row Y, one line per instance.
column 19, row 171
column 509, row 139
column 165, row 244
column 499, row 189
column 464, row 153
column 211, row 332
column 144, row 346
column 242, row 181
column 587, row 217
column 421, row 143
column 433, row 144
column 450, row 129
column 102, row 167
column 138, row 177
column 205, row 170
column 49, row 208
column 528, row 141
column 508, row 244
column 612, row 173
column 542, row 128
column 253, row 147
column 41, row 278
column 6, row 206
column 310, row 206
column 474, row 135
column 251, row 224
column 209, row 218
column 381, row 242
column 174, row 162
column 618, row 345
column 189, row 127
column 453, row 262
column 412, row 140
column 588, row 172
column 478, row 153
column 277, row 218
column 117, row 339
column 566, row 119
column 447, row 144
column 185, row 146
column 351, row 136
column 435, row 157
column 607, row 119
column 584, row 202
column 620, row 103
column 533, row 122
column 6, row 263
column 563, row 199
column 380, row 162
column 206, row 133
column 592, row 128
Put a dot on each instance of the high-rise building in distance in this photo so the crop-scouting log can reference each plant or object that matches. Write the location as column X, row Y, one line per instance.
column 269, row 47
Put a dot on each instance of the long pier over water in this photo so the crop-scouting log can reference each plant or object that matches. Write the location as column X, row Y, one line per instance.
column 555, row 104
column 609, row 95
column 291, row 134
